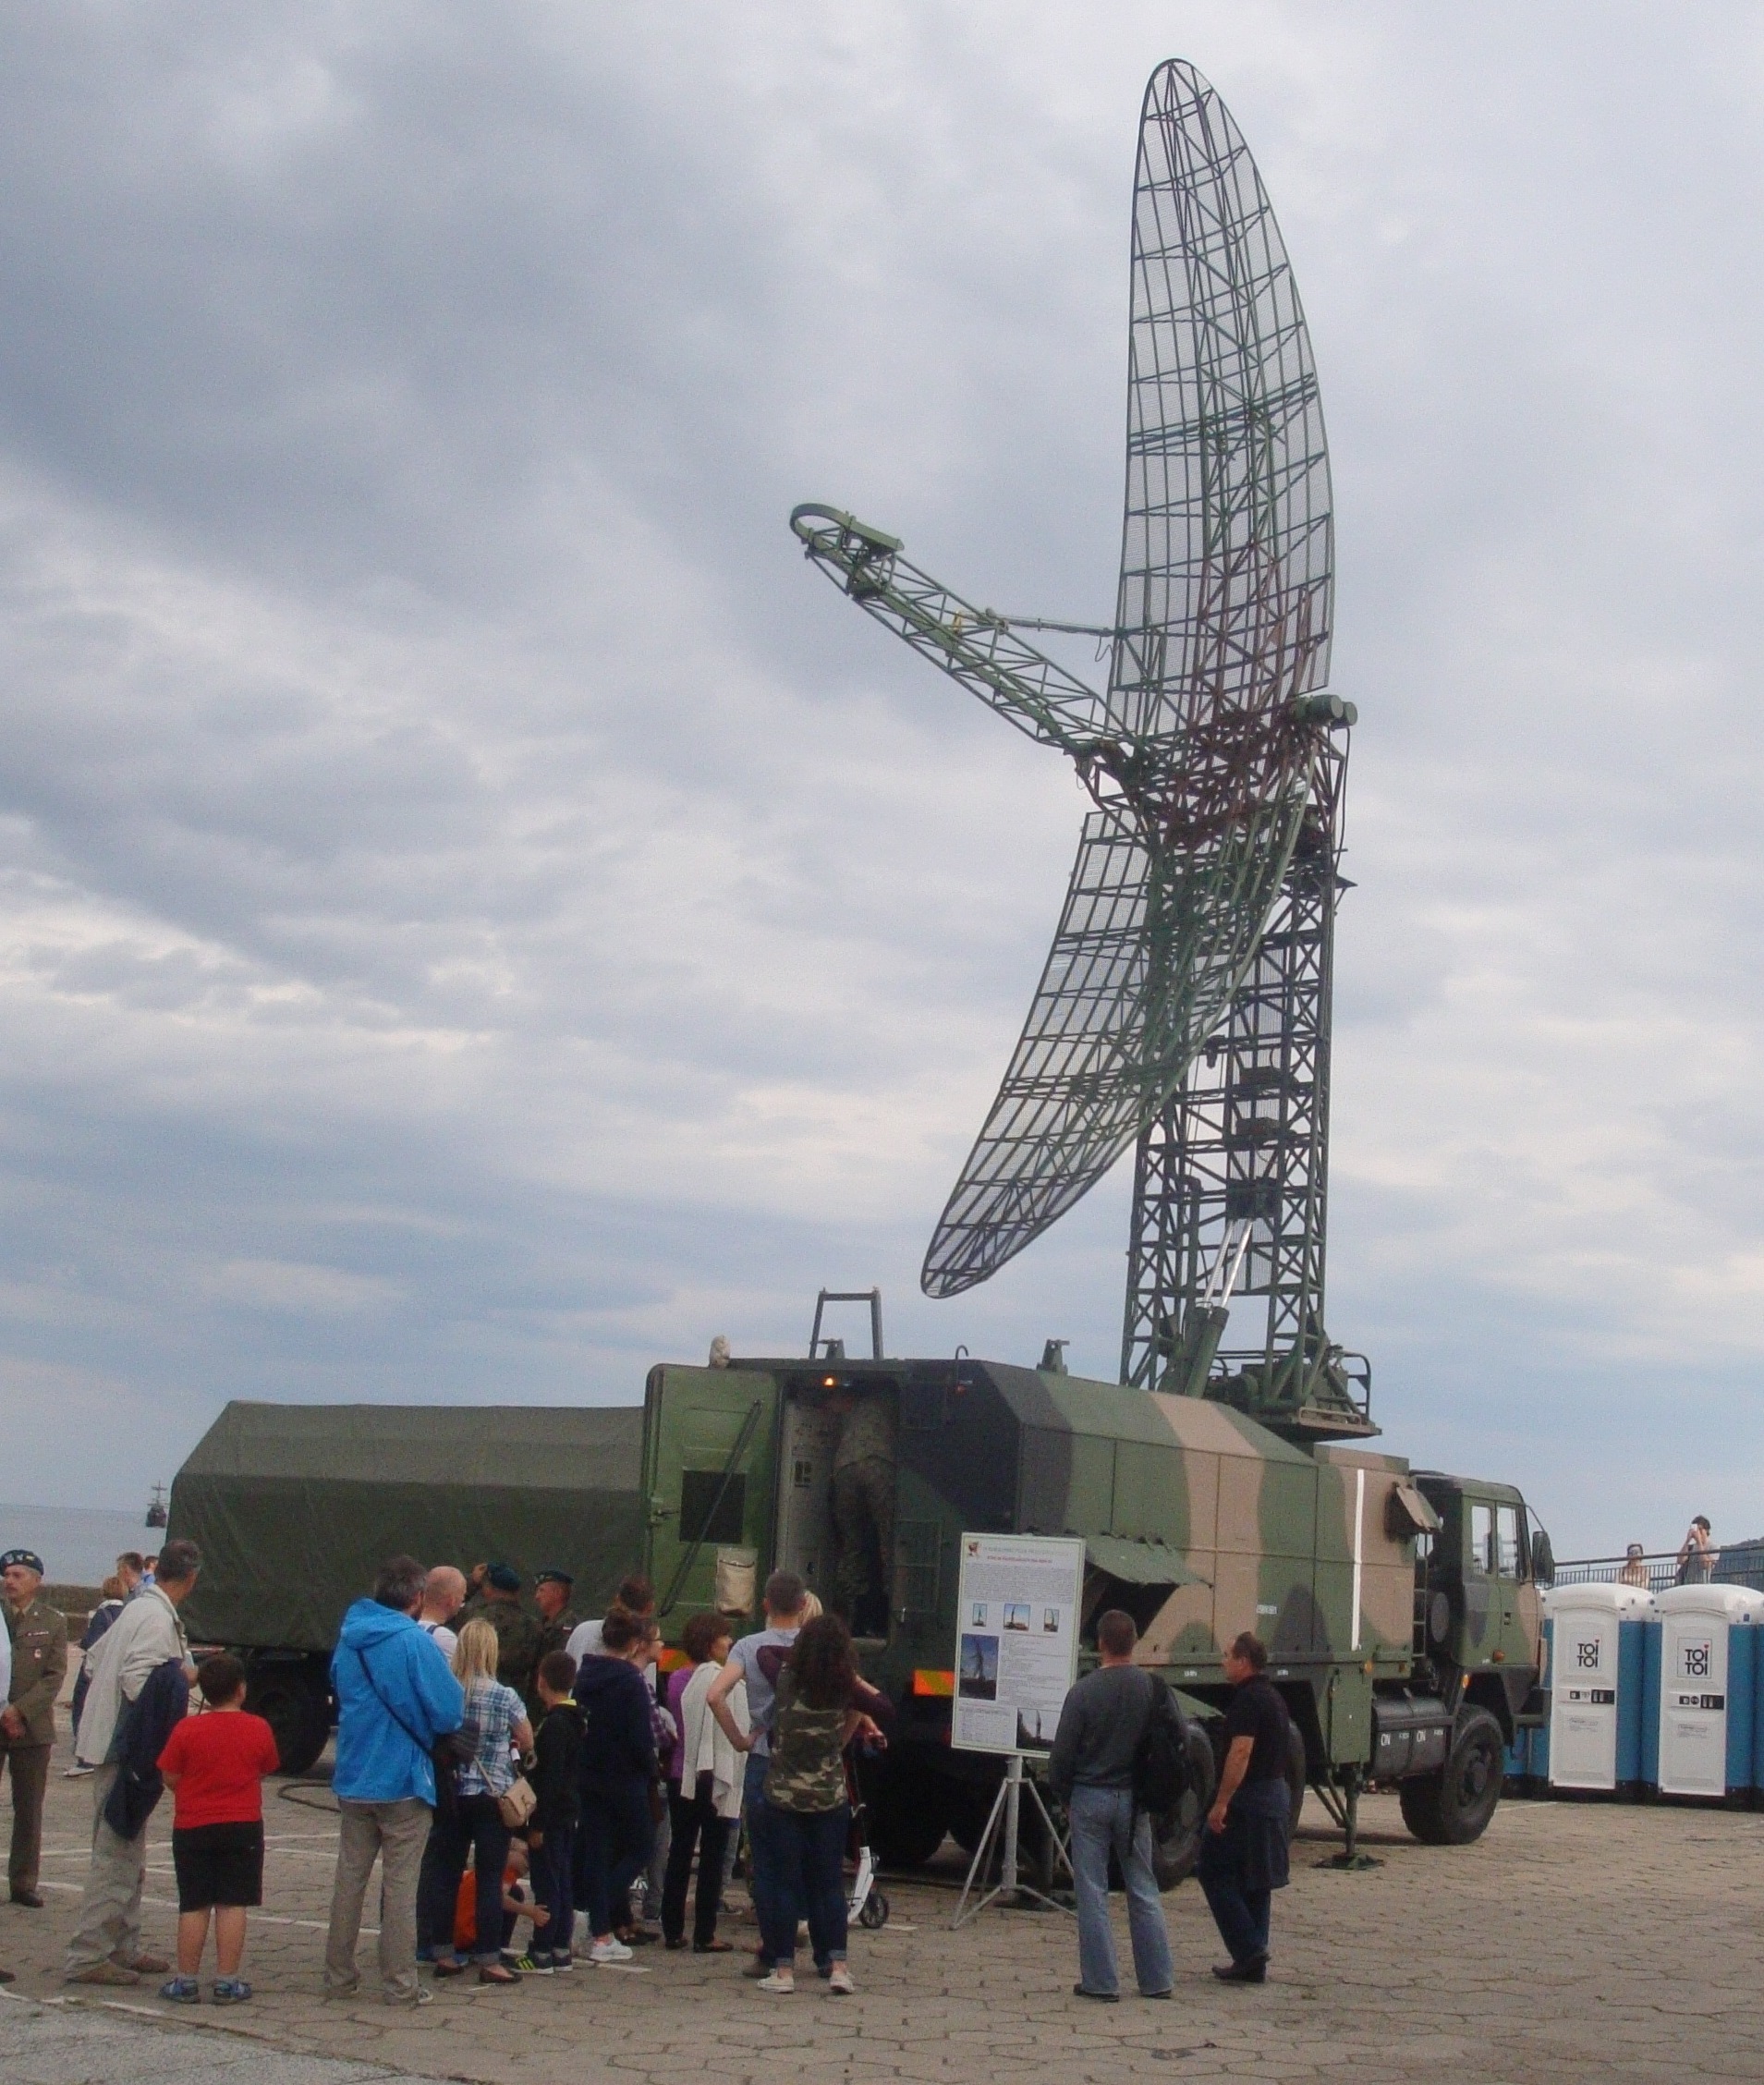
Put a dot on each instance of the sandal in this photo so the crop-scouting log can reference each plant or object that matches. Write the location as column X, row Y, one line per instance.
column 493, row 1972
column 713, row 1947
column 449, row 1965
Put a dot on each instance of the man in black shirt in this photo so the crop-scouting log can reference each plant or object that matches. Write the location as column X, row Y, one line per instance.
column 1243, row 1852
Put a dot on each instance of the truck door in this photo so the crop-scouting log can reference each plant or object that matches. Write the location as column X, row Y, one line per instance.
column 710, row 1458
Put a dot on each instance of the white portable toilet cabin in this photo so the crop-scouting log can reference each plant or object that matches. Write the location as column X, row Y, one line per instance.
column 1595, row 1634
column 1703, row 1665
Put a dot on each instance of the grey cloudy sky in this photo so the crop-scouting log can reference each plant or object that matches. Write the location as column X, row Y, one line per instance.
column 477, row 915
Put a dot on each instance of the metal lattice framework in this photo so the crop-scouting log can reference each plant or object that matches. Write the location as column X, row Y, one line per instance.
column 1209, row 754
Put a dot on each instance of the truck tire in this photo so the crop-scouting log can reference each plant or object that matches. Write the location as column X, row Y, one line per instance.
column 909, row 1816
column 1295, row 1778
column 1453, row 1806
column 295, row 1702
column 1175, row 1836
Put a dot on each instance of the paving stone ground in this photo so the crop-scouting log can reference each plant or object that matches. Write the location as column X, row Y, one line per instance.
column 1576, row 1941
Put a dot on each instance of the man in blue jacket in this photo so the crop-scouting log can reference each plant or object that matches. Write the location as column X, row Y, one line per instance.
column 396, row 1697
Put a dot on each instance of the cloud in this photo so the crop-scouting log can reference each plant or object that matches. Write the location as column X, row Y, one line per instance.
column 477, row 915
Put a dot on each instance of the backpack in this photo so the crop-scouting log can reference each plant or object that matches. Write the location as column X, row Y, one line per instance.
column 1160, row 1775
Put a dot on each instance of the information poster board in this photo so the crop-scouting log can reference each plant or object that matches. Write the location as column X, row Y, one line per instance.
column 1017, row 1649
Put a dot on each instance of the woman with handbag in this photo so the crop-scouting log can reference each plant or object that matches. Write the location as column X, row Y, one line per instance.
column 487, row 1800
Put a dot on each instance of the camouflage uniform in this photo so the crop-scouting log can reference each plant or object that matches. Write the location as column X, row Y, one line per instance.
column 863, row 1503
column 39, row 1667
column 518, row 1642
column 555, row 1634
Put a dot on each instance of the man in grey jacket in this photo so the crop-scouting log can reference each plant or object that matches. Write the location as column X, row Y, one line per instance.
column 1091, row 1771
column 105, row 1948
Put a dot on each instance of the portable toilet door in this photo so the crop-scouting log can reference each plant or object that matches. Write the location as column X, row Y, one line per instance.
column 1707, row 1673
column 1590, row 1704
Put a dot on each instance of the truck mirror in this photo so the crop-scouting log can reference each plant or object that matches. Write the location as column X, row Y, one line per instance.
column 1543, row 1559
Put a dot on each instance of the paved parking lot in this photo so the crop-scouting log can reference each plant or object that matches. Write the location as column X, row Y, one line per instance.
column 1576, row 1941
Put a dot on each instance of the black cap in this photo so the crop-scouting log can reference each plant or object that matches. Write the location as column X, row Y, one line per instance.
column 552, row 1576
column 503, row 1577
column 27, row 1558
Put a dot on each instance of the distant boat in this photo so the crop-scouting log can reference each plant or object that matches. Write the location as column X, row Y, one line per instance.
column 156, row 1514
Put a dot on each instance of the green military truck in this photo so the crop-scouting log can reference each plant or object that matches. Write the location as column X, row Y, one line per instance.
column 296, row 1506
column 1401, row 1608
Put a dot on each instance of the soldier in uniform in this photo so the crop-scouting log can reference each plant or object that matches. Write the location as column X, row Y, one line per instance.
column 472, row 1606
column 39, row 1635
column 863, row 1507
column 516, row 1631
column 552, row 1591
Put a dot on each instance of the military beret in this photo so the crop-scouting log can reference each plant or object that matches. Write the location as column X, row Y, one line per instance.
column 27, row 1558
column 503, row 1577
column 551, row 1576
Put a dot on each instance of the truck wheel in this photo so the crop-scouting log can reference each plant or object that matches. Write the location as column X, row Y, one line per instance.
column 296, row 1706
column 967, row 1806
column 908, row 1818
column 1175, row 1836
column 1452, row 1807
column 1295, row 1778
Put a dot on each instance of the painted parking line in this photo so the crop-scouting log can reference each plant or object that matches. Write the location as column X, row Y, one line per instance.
column 258, row 1918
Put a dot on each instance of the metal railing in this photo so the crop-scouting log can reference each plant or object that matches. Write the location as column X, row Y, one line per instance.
column 1733, row 1564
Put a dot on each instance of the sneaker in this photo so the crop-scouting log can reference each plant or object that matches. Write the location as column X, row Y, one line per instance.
column 839, row 1984
column 609, row 1950
column 231, row 1990
column 112, row 1974
column 781, row 1982
column 563, row 1964
column 425, row 1997
column 533, row 1965
column 182, row 1991
column 77, row 1773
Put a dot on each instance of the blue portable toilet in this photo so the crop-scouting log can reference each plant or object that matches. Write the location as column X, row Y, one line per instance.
column 1699, row 1738
column 1595, row 1666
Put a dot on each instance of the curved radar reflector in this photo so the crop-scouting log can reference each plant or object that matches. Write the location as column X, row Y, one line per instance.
column 1201, row 755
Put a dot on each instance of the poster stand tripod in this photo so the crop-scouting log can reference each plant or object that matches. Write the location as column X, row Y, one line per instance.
column 1007, row 1807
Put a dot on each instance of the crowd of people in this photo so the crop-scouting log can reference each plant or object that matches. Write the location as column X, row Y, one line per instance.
column 507, row 1767
column 504, row 1781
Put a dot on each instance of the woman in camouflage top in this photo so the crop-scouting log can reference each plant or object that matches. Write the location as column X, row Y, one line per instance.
column 822, row 1705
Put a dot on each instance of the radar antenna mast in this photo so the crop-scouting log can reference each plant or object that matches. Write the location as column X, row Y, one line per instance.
column 1183, row 1007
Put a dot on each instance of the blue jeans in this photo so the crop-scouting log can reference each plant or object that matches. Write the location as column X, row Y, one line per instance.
column 764, row 1856
column 473, row 1825
column 1103, row 1822
column 810, row 1849
column 555, row 1886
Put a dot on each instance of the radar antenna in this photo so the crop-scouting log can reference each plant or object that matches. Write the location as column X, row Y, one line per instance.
column 1185, row 1003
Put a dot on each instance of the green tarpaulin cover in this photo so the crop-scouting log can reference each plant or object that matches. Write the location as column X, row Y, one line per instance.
column 296, row 1506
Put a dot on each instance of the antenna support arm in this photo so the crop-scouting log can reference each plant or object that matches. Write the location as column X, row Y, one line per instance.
column 972, row 645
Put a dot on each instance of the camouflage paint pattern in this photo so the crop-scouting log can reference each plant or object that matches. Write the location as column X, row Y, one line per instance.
column 1292, row 1543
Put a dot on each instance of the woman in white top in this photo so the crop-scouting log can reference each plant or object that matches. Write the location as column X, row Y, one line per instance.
column 495, row 1727
column 704, row 1791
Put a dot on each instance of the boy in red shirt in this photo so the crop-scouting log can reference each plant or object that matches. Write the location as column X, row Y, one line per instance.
column 215, row 1763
